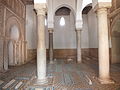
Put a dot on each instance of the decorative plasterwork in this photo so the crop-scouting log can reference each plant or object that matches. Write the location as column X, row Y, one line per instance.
column 40, row 9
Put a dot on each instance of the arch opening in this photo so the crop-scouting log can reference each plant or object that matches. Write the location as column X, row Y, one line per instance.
column 14, row 36
column 116, row 42
column 14, row 32
column 66, row 8
column 64, row 33
column 90, row 31
column 10, row 55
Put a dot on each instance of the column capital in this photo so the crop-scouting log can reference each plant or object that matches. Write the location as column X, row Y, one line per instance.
column 50, row 30
column 100, row 5
column 78, row 30
column 101, row 10
column 79, row 23
column 40, row 8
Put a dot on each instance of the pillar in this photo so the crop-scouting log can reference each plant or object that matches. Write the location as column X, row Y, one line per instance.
column 51, row 46
column 22, row 52
column 19, row 53
column 25, row 51
column 14, row 51
column 6, row 54
column 104, row 72
column 78, row 34
column 41, row 49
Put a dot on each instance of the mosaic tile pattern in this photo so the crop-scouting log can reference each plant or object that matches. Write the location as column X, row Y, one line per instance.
column 64, row 76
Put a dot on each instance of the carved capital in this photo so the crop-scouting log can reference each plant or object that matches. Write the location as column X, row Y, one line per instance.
column 50, row 30
column 101, row 11
column 79, row 24
column 78, row 30
column 100, row 5
column 40, row 9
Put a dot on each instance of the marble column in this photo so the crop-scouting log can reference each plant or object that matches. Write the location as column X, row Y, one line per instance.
column 51, row 46
column 19, row 53
column 22, row 52
column 104, row 65
column 78, row 34
column 15, row 51
column 6, row 54
column 25, row 51
column 41, row 49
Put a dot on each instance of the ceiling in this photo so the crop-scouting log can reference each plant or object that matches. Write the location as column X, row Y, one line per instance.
column 28, row 1
column 86, row 9
column 62, row 11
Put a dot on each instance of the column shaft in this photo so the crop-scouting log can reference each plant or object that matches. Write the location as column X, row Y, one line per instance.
column 5, row 55
column 103, row 44
column 79, row 59
column 41, row 50
column 51, row 46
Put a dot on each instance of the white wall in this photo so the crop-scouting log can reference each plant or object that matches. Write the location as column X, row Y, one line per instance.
column 84, row 33
column 89, row 36
column 14, row 34
column 31, row 33
column 93, row 29
column 56, row 4
column 65, row 36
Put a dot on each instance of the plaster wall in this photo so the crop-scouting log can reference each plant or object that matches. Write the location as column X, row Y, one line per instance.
column 14, row 33
column 84, row 33
column 116, row 42
column 53, row 5
column 31, row 28
column 64, row 36
column 92, row 29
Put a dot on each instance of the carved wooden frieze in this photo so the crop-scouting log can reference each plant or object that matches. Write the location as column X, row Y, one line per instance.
column 1, row 19
column 117, row 3
column 28, row 2
column 16, row 6
column 113, row 5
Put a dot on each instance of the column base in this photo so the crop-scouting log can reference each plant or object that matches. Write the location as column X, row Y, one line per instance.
column 37, row 81
column 51, row 62
column 79, row 62
column 106, row 81
column 42, row 82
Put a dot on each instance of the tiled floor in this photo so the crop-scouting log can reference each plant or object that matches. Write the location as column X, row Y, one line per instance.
column 65, row 76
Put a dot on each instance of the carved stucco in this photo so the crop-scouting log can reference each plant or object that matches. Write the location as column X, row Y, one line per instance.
column 114, row 13
column 12, row 15
column 16, row 6
column 114, row 18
